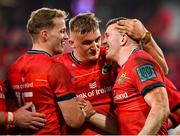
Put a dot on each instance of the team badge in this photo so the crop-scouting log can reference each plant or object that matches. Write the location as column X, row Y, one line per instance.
column 106, row 68
column 122, row 78
column 146, row 72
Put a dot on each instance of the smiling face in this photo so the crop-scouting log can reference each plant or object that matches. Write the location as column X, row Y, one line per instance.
column 57, row 36
column 112, row 41
column 86, row 46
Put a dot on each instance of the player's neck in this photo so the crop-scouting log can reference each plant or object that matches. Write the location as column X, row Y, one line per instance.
column 124, row 54
column 40, row 47
column 78, row 56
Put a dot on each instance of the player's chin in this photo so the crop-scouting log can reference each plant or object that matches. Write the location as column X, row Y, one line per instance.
column 94, row 57
column 59, row 51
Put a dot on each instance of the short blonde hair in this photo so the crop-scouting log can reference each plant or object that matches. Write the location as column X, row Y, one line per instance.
column 84, row 23
column 43, row 18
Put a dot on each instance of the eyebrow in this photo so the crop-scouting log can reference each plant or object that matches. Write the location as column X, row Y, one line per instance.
column 90, row 41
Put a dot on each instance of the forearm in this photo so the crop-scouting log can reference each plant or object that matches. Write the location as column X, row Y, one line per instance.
column 106, row 123
column 156, row 117
column 2, row 119
column 152, row 48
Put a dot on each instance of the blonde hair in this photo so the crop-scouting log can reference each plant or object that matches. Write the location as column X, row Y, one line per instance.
column 84, row 23
column 43, row 18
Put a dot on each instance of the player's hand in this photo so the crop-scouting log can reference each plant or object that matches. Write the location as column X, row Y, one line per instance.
column 132, row 27
column 27, row 119
column 81, row 102
column 87, row 106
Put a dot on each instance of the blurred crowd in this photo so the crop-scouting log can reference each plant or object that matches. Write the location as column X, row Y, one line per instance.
column 160, row 17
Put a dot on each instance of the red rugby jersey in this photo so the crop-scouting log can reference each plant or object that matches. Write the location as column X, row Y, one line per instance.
column 36, row 78
column 173, row 95
column 2, row 104
column 93, row 81
column 2, row 96
column 138, row 76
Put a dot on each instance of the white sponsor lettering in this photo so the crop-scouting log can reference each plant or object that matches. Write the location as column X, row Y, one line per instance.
column 121, row 96
column 95, row 92
column 22, row 86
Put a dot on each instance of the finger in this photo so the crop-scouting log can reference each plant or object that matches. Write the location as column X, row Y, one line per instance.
column 33, row 127
column 27, row 105
column 80, row 99
column 35, row 114
column 123, row 31
column 120, row 27
column 37, row 124
column 38, row 119
column 121, row 22
column 81, row 105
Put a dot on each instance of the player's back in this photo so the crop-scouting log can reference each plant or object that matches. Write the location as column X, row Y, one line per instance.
column 28, row 78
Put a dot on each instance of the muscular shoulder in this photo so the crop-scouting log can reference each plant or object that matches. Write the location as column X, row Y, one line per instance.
column 142, row 57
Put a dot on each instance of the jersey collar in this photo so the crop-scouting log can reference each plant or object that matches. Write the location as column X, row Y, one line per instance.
column 38, row 52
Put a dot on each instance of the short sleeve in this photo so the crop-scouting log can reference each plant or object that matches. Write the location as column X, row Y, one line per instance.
column 147, row 74
column 60, row 81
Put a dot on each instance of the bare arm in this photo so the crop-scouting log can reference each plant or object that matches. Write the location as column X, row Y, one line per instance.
column 72, row 113
column 157, row 99
column 106, row 123
column 135, row 29
column 25, row 118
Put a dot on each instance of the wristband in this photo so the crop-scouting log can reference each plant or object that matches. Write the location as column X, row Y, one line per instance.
column 84, row 113
column 10, row 118
column 92, row 113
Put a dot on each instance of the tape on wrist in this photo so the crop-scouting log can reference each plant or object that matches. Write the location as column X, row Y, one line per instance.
column 84, row 113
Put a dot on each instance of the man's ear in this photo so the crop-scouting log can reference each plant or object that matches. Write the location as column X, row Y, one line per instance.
column 124, row 39
column 43, row 35
column 71, row 43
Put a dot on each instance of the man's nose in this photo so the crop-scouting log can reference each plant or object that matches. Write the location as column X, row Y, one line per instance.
column 94, row 45
column 104, row 41
column 66, row 37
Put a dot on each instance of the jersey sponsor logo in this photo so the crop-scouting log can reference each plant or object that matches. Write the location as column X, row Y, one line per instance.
column 92, row 85
column 146, row 72
column 95, row 92
column 22, row 86
column 120, row 96
column 122, row 78
column 106, row 68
